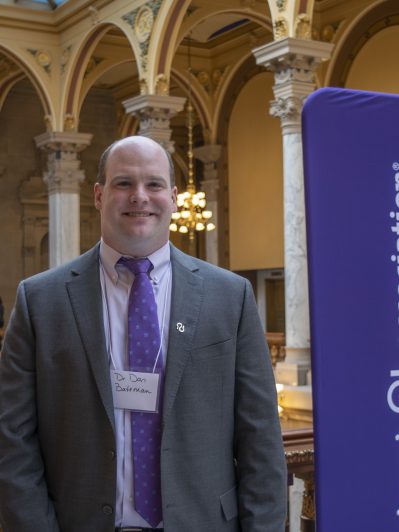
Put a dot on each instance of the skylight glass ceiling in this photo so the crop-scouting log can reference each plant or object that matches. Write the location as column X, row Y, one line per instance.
column 40, row 4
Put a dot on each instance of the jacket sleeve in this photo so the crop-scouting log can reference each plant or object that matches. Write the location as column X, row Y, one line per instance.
column 24, row 500
column 261, row 466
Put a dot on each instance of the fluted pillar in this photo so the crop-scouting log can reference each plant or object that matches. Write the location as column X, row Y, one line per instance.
column 63, row 178
column 154, row 112
column 209, row 156
column 293, row 62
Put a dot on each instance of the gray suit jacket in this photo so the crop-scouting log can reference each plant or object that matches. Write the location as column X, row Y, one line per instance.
column 222, row 462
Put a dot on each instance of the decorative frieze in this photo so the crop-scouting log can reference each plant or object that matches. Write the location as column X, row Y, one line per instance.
column 43, row 58
column 141, row 20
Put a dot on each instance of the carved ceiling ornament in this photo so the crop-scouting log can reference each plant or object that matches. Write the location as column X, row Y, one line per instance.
column 48, row 122
column 161, row 84
column 210, row 80
column 6, row 66
column 94, row 61
column 141, row 20
column 280, row 29
column 143, row 23
column 69, row 122
column 302, row 27
column 43, row 58
column 143, row 86
column 66, row 54
column 281, row 4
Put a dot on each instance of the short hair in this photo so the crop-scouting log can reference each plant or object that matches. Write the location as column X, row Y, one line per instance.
column 101, row 177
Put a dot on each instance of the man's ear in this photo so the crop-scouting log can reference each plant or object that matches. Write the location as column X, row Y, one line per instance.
column 174, row 198
column 98, row 193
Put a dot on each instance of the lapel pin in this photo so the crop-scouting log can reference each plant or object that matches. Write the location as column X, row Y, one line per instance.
column 180, row 326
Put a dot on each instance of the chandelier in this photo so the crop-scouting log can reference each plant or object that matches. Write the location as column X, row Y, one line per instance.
column 191, row 216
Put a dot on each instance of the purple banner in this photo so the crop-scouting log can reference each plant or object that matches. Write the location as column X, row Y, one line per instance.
column 351, row 161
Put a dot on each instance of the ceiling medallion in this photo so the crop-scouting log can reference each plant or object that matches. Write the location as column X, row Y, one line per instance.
column 143, row 23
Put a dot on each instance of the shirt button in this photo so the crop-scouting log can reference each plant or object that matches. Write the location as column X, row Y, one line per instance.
column 107, row 509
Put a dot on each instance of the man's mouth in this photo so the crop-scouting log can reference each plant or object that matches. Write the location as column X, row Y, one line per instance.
column 138, row 214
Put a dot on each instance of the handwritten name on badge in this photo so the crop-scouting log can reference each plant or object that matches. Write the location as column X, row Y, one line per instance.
column 136, row 390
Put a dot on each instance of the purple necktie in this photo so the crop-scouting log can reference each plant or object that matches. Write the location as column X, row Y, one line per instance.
column 144, row 342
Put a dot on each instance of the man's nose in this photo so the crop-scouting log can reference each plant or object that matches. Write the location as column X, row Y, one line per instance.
column 138, row 194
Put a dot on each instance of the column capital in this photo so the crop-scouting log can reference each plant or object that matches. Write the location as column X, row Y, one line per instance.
column 293, row 62
column 209, row 153
column 63, row 168
column 154, row 112
column 69, row 141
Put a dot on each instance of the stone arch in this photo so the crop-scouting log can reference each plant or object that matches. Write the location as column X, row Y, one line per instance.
column 176, row 30
column 368, row 23
column 72, row 98
column 24, row 70
column 197, row 100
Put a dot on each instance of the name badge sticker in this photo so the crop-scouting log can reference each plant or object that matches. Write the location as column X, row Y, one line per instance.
column 135, row 390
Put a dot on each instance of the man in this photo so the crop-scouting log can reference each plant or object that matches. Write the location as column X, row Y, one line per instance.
column 68, row 449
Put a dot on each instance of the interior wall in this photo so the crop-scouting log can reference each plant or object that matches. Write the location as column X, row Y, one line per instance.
column 379, row 56
column 99, row 117
column 19, row 160
column 255, row 179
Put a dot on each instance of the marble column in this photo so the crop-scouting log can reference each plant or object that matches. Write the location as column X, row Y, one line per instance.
column 154, row 112
column 63, row 178
column 209, row 156
column 293, row 62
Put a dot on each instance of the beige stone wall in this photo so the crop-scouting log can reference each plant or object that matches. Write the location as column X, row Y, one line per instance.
column 378, row 55
column 255, row 180
column 21, row 120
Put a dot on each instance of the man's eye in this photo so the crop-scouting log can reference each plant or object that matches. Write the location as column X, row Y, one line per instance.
column 122, row 184
column 154, row 185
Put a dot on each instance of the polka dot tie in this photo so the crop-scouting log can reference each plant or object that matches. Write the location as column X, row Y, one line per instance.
column 143, row 346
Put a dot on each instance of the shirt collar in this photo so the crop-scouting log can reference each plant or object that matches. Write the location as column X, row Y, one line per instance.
column 109, row 257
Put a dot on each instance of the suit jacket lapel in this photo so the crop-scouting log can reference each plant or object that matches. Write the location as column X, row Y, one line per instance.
column 187, row 295
column 84, row 290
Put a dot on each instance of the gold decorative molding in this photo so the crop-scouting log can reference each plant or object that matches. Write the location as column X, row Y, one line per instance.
column 305, row 456
column 43, row 58
column 48, row 122
column 302, row 27
column 210, row 80
column 6, row 66
column 161, row 84
column 280, row 28
column 70, row 122
column 66, row 54
column 92, row 64
column 143, row 86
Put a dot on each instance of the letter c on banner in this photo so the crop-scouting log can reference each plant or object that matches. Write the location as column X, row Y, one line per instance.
column 391, row 389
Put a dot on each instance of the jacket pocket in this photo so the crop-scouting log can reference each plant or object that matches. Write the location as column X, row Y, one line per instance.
column 228, row 500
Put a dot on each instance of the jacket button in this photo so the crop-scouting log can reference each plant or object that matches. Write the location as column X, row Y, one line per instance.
column 111, row 454
column 107, row 509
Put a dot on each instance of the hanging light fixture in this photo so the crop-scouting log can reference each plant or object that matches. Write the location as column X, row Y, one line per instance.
column 191, row 215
